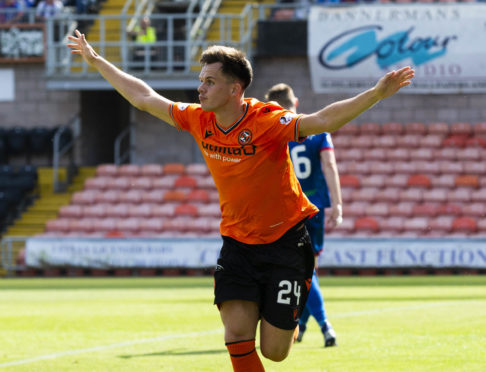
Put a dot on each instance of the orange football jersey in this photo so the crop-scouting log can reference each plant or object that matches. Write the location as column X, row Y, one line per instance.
column 259, row 195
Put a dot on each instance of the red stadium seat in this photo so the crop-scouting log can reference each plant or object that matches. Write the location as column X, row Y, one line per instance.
column 460, row 195
column 412, row 194
column 461, row 128
column 118, row 210
column 440, row 128
column 82, row 224
column 186, row 210
column 476, row 141
column 450, row 209
column 175, row 196
column 467, row 180
column 478, row 195
column 408, row 141
column 97, row 183
column 85, row 197
column 151, row 225
column 105, row 225
column 404, row 167
column 71, row 211
column 400, row 154
column 425, row 153
column 392, row 224
column 174, row 168
column 381, row 167
column 119, row 183
column 475, row 210
column 197, row 169
column 349, row 180
column 380, row 209
column 419, row 180
column 392, row 128
column 389, row 194
column 206, row 182
column 374, row 180
column 198, row 196
column 362, row 141
column 366, row 224
column 211, row 209
column 354, row 167
column 385, row 141
column 355, row 209
column 142, row 183
column 416, row 224
column 163, row 210
column 128, row 226
column 443, row 180
column 416, row 128
column 185, row 181
column 427, row 209
column 479, row 128
column 431, row 141
column 370, row 128
column 58, row 225
column 352, row 154
column 464, row 224
column 95, row 211
column 164, row 182
column 365, row 194
column 397, row 180
column 153, row 196
column 441, row 224
column 427, row 167
column 451, row 167
column 470, row 154
column 129, row 170
column 151, row 170
column 132, row 196
column 456, row 140
column 475, row 167
column 436, row 195
column 109, row 196
column 375, row 154
column 446, row 153
column 140, row 210
column 109, row 170
column 342, row 141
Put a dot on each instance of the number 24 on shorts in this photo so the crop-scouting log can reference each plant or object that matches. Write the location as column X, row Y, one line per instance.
column 285, row 293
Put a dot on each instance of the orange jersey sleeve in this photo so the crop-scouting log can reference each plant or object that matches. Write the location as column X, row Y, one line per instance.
column 260, row 197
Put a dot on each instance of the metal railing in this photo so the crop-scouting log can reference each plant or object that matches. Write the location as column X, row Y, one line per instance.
column 63, row 144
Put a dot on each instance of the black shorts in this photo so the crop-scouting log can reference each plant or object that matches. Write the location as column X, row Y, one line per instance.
column 277, row 275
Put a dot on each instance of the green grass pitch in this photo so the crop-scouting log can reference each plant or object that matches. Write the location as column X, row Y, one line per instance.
column 387, row 324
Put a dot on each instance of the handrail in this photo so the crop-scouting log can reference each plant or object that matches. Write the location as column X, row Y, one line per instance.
column 201, row 24
column 127, row 156
column 74, row 126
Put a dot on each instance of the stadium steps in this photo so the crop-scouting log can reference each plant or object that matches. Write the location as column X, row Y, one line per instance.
column 112, row 32
column 46, row 207
column 231, row 7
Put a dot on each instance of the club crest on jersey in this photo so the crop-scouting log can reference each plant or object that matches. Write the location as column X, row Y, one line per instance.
column 182, row 106
column 287, row 118
column 244, row 137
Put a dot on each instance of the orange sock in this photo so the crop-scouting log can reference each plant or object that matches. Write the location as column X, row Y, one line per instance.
column 244, row 356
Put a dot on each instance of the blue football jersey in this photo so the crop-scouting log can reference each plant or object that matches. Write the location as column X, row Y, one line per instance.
column 307, row 165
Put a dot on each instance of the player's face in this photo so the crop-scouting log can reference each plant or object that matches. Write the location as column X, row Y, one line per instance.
column 215, row 90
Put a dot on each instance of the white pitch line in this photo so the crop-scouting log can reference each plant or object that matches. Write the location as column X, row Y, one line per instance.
column 197, row 334
column 106, row 347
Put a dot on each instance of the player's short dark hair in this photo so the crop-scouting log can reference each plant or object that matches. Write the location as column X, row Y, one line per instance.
column 281, row 93
column 235, row 64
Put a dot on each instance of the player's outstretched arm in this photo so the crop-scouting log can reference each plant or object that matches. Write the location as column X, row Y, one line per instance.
column 335, row 115
column 137, row 92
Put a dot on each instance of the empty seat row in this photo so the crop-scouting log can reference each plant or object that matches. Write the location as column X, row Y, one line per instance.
column 140, row 210
column 415, row 194
column 137, row 196
column 437, row 167
column 152, row 170
column 418, row 128
column 131, row 225
column 163, row 181
column 449, row 181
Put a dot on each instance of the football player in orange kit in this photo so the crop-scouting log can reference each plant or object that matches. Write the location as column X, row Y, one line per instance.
column 266, row 262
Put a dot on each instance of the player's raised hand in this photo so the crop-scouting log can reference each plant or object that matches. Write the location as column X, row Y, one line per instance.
column 80, row 46
column 393, row 81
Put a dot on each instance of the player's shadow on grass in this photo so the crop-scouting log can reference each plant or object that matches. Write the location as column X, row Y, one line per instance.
column 175, row 352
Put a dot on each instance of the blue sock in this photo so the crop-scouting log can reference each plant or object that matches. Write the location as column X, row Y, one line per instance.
column 315, row 302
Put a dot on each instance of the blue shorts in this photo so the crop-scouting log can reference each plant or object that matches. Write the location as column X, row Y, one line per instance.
column 315, row 226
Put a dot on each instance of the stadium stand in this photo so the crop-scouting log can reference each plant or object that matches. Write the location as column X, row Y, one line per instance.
column 427, row 190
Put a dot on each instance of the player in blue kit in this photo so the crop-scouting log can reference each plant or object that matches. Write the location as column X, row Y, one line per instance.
column 313, row 158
